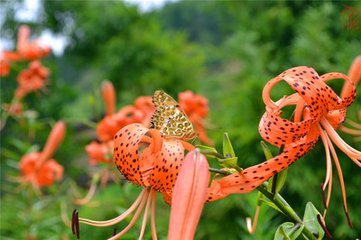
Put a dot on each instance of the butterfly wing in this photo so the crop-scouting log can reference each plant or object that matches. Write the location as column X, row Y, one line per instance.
column 169, row 119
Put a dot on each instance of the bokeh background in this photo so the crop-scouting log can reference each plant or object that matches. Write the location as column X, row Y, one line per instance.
column 223, row 50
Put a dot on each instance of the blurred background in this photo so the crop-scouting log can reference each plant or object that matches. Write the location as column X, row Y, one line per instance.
column 223, row 50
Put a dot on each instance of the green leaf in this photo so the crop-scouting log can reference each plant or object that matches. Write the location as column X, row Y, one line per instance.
column 266, row 151
column 310, row 220
column 229, row 162
column 208, row 151
column 281, row 176
column 228, row 151
column 281, row 180
column 288, row 231
column 270, row 204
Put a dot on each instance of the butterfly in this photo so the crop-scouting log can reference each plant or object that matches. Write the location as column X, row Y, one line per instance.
column 169, row 119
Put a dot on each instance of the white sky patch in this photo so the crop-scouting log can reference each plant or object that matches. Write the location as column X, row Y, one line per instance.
column 57, row 43
column 148, row 5
column 28, row 11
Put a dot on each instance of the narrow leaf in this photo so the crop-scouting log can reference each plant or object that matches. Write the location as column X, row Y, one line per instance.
column 228, row 151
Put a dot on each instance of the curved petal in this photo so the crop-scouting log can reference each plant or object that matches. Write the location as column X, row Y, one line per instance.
column 354, row 74
column 306, row 82
column 166, row 165
column 335, row 102
column 49, row 172
column 126, row 155
column 108, row 93
column 279, row 131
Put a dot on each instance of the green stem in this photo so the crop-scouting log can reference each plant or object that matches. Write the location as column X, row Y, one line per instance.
column 286, row 209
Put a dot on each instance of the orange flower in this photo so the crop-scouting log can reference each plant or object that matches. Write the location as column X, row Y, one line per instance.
column 155, row 169
column 4, row 66
column 99, row 152
column 317, row 113
column 112, row 121
column 110, row 124
column 26, row 50
column 196, row 108
column 30, row 50
column 31, row 79
column 37, row 167
column 152, row 158
column 45, row 175
column 146, row 106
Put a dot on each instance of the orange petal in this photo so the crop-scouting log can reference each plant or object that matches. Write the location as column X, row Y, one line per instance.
column 23, row 38
column 49, row 172
column 97, row 152
column 334, row 102
column 55, row 138
column 107, row 127
column 306, row 82
column 108, row 93
column 279, row 131
column 166, row 165
column 126, row 154
column 354, row 74
column 189, row 196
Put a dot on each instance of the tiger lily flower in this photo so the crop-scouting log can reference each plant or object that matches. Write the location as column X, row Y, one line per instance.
column 31, row 79
column 30, row 50
column 156, row 169
column 318, row 112
column 152, row 158
column 113, row 121
column 37, row 167
column 26, row 50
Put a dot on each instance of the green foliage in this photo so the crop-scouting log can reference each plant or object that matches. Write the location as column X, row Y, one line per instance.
column 226, row 51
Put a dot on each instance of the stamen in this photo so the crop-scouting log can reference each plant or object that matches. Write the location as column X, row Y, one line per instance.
column 347, row 149
column 73, row 221
column 348, row 218
column 145, row 217
column 342, row 183
column 152, row 216
column 134, row 219
column 88, row 196
column 320, row 221
column 350, row 131
column 328, row 157
column 118, row 219
column 75, row 224
column 114, row 232
column 323, row 196
column 328, row 179
column 252, row 227
column 353, row 124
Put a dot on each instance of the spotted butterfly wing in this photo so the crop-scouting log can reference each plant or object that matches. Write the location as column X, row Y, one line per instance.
column 169, row 119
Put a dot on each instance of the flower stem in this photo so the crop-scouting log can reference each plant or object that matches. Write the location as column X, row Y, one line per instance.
column 286, row 209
